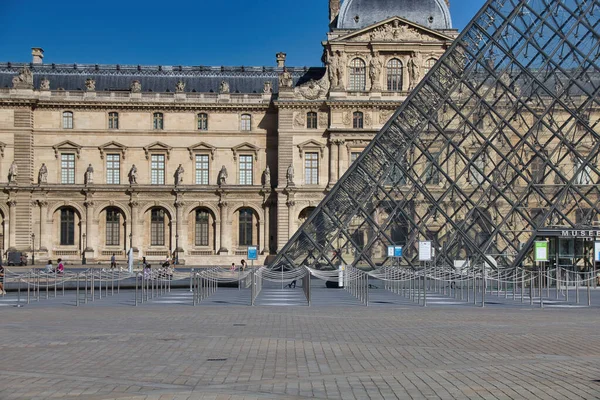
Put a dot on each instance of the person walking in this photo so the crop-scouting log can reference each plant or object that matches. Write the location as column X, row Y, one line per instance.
column 244, row 265
column 113, row 261
column 2, row 292
column 130, row 260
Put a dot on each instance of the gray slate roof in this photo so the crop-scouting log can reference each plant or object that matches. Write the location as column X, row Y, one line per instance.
column 156, row 78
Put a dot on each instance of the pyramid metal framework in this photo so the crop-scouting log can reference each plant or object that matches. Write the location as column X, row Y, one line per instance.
column 498, row 142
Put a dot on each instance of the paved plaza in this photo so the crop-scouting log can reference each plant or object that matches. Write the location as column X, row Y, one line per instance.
column 336, row 349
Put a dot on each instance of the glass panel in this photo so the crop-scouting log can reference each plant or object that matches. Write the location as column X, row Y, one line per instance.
column 157, row 169
column 202, row 169
column 113, row 169
column 311, row 168
column 67, row 168
column 245, row 170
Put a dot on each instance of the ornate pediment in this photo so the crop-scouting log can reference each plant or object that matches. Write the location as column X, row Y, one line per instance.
column 247, row 147
column 158, row 146
column 394, row 29
column 67, row 145
column 112, row 147
column 311, row 145
column 202, row 147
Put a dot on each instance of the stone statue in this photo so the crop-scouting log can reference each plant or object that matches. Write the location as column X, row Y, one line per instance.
column 136, row 87
column 24, row 80
column 285, row 79
column 45, row 84
column 336, row 70
column 89, row 175
column 224, row 88
column 290, row 175
column 375, row 67
column 179, row 175
column 414, row 69
column 222, row 177
column 133, row 175
column 13, row 172
column 43, row 174
column 268, row 87
column 267, row 177
column 90, row 85
column 180, row 87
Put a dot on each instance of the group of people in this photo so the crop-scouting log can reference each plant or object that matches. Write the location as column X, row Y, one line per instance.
column 243, row 266
column 59, row 269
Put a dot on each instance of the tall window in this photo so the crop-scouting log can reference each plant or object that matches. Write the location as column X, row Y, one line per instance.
column 394, row 75
column 354, row 156
column 158, row 121
column 201, row 228
column 246, row 122
column 477, row 165
column 201, row 169
column 113, row 169
column 245, row 227
column 113, row 120
column 311, row 168
column 311, row 120
column 245, row 170
column 428, row 65
column 113, row 226
column 357, row 120
column 157, row 165
column 67, row 120
column 67, row 227
column 538, row 170
column 202, row 122
column 157, row 228
column 432, row 174
column 358, row 72
column 583, row 175
column 67, row 168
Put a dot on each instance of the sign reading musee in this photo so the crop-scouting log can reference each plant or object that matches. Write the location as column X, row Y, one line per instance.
column 252, row 253
column 425, row 253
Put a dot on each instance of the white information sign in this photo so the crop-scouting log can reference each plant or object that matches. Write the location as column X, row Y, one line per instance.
column 541, row 251
column 425, row 252
column 597, row 251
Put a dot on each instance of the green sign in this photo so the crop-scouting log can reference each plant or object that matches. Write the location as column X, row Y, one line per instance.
column 541, row 251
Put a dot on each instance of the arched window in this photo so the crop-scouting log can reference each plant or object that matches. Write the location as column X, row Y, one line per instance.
column 428, row 65
column 67, row 227
column 113, row 120
column 311, row 120
column 245, row 238
column 394, row 75
column 358, row 72
column 157, row 228
column 113, row 226
column 67, row 120
column 357, row 120
column 246, row 122
column 201, row 228
column 202, row 122
column 158, row 121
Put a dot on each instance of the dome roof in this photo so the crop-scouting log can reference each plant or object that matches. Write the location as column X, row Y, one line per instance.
column 357, row 14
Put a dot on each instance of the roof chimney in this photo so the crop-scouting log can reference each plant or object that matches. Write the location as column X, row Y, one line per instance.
column 280, row 59
column 38, row 55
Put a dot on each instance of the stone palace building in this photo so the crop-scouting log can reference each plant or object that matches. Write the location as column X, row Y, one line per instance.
column 200, row 162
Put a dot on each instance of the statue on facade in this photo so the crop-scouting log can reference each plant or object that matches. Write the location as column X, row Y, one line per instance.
column 43, row 174
column 180, row 87
column 133, row 175
column 89, row 175
column 224, row 88
column 375, row 67
column 45, row 84
column 285, row 79
column 13, row 172
column 24, row 80
column 179, row 175
column 414, row 69
column 336, row 70
column 267, row 177
column 90, row 85
column 268, row 87
column 222, row 177
column 290, row 176
column 136, row 87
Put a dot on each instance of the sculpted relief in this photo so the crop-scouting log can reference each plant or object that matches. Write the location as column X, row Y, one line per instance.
column 336, row 66
column 393, row 32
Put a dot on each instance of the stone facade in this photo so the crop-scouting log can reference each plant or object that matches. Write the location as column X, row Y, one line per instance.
column 136, row 126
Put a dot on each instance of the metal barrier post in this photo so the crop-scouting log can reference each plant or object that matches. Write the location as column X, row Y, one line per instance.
column 47, row 286
column 55, row 284
column 576, row 287
column 18, row 305
column 77, row 291
column 28, row 286
column 136, row 290
column 112, row 283
column 567, row 273
column 531, row 282
column 252, row 288
column 425, row 290
column 483, row 286
column 589, row 293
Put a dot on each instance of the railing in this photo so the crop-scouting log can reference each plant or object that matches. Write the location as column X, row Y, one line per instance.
column 202, row 252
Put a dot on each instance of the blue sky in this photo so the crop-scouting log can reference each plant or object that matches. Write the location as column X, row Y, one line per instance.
column 184, row 32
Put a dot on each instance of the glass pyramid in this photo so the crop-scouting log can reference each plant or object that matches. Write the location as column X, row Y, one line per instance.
column 496, row 144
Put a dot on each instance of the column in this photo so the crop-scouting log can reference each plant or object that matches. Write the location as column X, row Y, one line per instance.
column 179, row 225
column 291, row 217
column 224, row 231
column 340, row 172
column 133, row 228
column 90, row 235
column 267, row 221
column 12, row 223
column 333, row 155
column 43, row 221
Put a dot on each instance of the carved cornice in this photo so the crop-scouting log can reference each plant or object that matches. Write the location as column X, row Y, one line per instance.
column 245, row 147
column 114, row 146
column 311, row 144
column 202, row 147
column 67, row 145
column 158, row 147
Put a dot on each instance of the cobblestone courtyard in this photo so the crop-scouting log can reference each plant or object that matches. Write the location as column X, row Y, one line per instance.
column 174, row 351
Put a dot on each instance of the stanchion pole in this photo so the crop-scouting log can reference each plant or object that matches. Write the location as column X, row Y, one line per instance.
column 55, row 284
column 531, row 282
column 589, row 293
column 28, row 286
column 47, row 286
column 77, row 291
column 567, row 274
column 576, row 287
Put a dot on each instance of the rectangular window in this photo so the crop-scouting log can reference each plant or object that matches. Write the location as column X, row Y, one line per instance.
column 157, row 228
column 311, row 168
column 112, row 227
column 113, row 169
column 354, row 156
column 246, row 122
column 158, row 169
column 201, row 169
column 113, row 120
column 67, row 168
column 67, row 227
column 245, row 170
column 201, row 228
